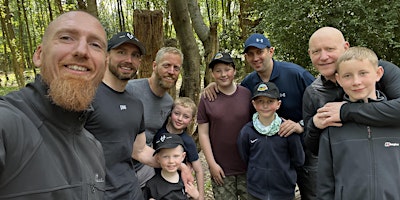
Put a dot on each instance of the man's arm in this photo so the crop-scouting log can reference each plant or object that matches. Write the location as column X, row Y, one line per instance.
column 377, row 113
column 311, row 132
column 210, row 92
column 143, row 153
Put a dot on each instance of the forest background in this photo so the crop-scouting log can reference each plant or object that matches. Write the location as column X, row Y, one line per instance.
column 200, row 28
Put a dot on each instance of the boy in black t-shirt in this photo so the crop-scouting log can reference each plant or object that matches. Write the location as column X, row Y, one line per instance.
column 168, row 185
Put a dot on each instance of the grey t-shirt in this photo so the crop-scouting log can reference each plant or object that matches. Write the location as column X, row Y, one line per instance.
column 156, row 109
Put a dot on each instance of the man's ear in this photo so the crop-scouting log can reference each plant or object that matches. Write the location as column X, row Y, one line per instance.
column 37, row 56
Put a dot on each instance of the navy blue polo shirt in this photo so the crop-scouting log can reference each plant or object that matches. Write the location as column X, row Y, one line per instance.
column 292, row 80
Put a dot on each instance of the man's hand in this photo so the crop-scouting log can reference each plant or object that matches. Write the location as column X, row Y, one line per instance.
column 328, row 115
column 288, row 127
column 210, row 92
column 186, row 174
column 217, row 174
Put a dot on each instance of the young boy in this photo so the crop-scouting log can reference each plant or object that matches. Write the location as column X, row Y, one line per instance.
column 358, row 161
column 168, row 185
column 182, row 115
column 219, row 124
column 271, row 159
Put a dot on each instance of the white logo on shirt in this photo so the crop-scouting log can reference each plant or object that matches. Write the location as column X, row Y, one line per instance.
column 252, row 141
column 122, row 107
column 97, row 179
column 389, row 144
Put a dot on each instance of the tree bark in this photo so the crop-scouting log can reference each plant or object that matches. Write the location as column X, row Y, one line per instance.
column 17, row 66
column 191, row 63
column 148, row 28
column 208, row 37
column 92, row 7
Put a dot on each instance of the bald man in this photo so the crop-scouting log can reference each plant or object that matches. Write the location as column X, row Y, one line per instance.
column 326, row 45
column 45, row 153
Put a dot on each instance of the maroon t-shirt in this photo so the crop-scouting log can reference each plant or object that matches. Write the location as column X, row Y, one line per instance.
column 226, row 117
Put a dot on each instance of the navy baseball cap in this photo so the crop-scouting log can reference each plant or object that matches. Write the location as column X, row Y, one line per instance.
column 266, row 89
column 125, row 37
column 221, row 57
column 256, row 40
column 167, row 141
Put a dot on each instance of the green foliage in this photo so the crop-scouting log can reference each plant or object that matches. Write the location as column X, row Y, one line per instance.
column 6, row 90
column 372, row 23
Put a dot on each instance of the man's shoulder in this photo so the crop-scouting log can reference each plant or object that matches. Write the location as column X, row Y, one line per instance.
column 135, row 82
column 286, row 64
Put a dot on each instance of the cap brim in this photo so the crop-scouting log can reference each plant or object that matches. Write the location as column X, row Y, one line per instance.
column 138, row 44
column 165, row 146
column 264, row 95
column 214, row 62
column 257, row 45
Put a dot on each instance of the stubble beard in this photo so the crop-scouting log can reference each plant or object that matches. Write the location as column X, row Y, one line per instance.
column 120, row 76
column 164, row 85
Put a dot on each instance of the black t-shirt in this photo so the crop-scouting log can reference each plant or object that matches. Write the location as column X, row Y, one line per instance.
column 160, row 189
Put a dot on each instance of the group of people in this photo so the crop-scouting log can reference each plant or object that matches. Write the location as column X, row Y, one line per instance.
column 315, row 133
column 84, row 130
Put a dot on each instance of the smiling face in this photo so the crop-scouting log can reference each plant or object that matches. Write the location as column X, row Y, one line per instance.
column 266, row 107
column 358, row 78
column 124, row 61
column 170, row 159
column 260, row 59
column 167, row 69
column 181, row 117
column 326, row 45
column 223, row 74
column 72, row 58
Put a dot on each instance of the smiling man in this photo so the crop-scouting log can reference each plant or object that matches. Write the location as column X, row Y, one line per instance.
column 153, row 92
column 118, row 122
column 45, row 153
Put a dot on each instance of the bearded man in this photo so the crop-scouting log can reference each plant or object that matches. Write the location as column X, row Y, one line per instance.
column 156, row 101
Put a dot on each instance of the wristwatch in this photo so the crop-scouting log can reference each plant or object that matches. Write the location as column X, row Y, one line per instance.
column 301, row 122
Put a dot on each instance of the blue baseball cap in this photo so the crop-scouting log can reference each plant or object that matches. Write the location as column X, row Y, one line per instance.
column 256, row 40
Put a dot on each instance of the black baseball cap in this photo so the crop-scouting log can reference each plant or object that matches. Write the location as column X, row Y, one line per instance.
column 125, row 37
column 221, row 57
column 167, row 141
column 266, row 89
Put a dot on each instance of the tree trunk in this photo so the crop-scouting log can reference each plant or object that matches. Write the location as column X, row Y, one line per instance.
column 191, row 64
column 10, row 36
column 247, row 22
column 92, row 7
column 148, row 28
column 82, row 5
column 208, row 37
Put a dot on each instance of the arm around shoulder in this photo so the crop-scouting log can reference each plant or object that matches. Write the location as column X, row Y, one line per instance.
column 378, row 113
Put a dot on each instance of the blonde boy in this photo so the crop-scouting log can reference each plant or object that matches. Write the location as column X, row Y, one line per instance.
column 358, row 161
column 167, row 184
column 182, row 115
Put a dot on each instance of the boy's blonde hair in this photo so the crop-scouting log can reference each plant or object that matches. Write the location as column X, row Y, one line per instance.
column 358, row 53
column 187, row 103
